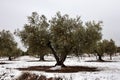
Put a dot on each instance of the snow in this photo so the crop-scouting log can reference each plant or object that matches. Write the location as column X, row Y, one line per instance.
column 9, row 74
column 26, row 58
column 109, row 70
column 56, row 68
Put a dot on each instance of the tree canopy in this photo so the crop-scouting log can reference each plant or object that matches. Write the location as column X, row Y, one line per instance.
column 8, row 46
column 35, row 35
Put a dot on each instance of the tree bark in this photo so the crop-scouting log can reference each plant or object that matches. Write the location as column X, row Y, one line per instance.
column 42, row 58
column 110, row 56
column 96, row 56
column 60, row 62
column 9, row 58
column 100, row 58
column 53, row 51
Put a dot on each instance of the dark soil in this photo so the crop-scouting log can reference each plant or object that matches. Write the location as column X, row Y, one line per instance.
column 41, row 61
column 67, row 69
column 29, row 76
column 99, row 61
column 1, row 63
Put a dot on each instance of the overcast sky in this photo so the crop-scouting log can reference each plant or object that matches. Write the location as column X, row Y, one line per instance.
column 13, row 13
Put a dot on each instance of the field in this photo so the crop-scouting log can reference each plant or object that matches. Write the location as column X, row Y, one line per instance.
column 109, row 70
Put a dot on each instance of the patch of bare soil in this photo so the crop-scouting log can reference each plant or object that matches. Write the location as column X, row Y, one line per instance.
column 67, row 69
column 99, row 61
column 2, row 63
column 29, row 76
column 41, row 61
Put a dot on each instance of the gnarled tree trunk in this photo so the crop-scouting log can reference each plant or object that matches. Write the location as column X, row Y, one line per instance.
column 60, row 62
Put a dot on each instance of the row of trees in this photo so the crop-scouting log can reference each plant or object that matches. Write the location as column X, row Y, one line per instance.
column 61, row 36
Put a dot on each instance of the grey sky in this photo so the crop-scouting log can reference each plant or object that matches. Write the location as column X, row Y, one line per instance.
column 13, row 13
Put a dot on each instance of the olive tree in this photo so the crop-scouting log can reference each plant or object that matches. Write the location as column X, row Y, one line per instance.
column 111, row 48
column 8, row 46
column 70, row 35
column 92, row 36
column 62, row 30
column 35, row 35
column 87, row 36
column 101, row 49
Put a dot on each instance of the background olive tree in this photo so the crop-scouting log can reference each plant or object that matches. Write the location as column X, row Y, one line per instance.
column 35, row 35
column 111, row 48
column 8, row 46
column 101, row 49
column 92, row 35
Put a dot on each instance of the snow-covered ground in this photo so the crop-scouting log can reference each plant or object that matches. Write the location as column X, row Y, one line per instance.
column 109, row 70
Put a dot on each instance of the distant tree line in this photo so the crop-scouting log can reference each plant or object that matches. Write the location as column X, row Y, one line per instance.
column 61, row 36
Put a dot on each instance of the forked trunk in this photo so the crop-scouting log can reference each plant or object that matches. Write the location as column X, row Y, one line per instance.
column 53, row 51
column 60, row 62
